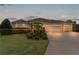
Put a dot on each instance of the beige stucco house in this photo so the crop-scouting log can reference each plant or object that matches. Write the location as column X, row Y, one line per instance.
column 52, row 26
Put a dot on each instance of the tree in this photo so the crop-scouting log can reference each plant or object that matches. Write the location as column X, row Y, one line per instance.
column 6, row 24
column 5, row 27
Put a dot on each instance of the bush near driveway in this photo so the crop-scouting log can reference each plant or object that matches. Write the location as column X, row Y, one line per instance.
column 37, row 32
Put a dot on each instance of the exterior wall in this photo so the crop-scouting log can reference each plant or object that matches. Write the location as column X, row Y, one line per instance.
column 20, row 25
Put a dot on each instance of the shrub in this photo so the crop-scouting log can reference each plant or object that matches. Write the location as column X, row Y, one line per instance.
column 37, row 32
column 29, row 35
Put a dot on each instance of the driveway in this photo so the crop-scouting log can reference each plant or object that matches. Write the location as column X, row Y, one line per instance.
column 63, row 43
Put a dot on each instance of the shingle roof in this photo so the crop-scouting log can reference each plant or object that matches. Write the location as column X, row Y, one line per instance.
column 41, row 20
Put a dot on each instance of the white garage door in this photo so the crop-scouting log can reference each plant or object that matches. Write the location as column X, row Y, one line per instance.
column 52, row 28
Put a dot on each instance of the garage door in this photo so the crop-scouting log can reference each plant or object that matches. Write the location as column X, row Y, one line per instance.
column 53, row 28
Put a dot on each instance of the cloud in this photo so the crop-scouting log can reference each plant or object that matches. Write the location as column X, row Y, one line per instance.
column 64, row 16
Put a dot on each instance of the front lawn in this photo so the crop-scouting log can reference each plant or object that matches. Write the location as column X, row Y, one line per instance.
column 18, row 44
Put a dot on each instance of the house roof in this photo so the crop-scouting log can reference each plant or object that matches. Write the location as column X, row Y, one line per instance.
column 42, row 20
column 20, row 21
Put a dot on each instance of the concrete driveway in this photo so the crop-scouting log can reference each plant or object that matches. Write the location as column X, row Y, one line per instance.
column 63, row 43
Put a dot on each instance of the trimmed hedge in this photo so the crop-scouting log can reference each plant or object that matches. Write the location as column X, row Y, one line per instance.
column 14, row 31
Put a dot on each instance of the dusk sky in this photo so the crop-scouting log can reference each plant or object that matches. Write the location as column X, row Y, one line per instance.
column 51, row 11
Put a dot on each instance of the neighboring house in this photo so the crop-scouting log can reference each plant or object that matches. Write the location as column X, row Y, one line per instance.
column 20, row 24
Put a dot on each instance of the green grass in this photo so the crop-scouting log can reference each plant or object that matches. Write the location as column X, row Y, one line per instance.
column 18, row 44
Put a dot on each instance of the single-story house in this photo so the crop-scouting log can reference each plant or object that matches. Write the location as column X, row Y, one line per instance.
column 50, row 25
